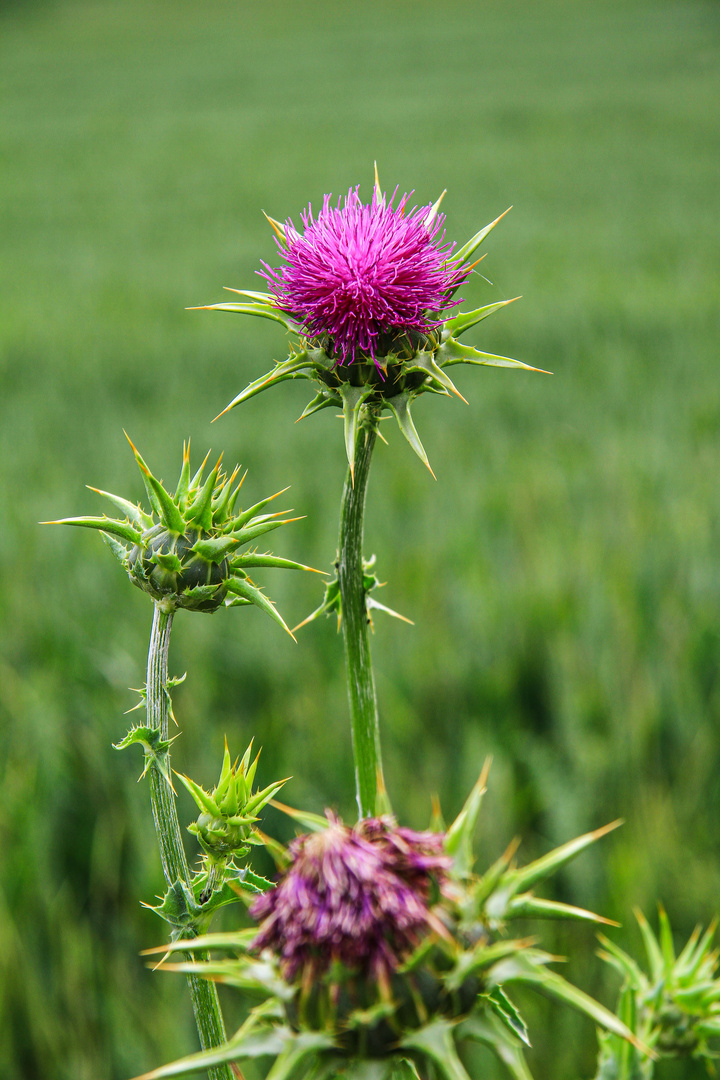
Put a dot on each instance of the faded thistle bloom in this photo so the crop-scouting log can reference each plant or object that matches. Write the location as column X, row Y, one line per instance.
column 354, row 896
column 382, row 945
column 367, row 292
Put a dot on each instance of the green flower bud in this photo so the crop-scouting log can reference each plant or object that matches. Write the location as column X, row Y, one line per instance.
column 186, row 553
column 226, row 825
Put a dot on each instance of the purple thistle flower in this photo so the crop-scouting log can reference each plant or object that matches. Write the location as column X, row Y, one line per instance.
column 358, row 271
column 358, row 896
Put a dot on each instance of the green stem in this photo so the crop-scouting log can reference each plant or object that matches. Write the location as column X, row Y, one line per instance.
column 206, row 1005
column 361, row 683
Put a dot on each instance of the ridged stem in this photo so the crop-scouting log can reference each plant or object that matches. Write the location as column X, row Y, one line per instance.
column 206, row 1005
column 360, row 679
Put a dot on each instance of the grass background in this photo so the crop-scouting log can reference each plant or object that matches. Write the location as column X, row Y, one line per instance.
column 562, row 573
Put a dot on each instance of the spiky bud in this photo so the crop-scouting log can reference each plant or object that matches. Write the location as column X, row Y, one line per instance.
column 228, row 813
column 186, row 552
column 368, row 290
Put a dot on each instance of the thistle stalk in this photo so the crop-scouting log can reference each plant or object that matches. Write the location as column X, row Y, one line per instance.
column 206, row 1005
column 361, row 682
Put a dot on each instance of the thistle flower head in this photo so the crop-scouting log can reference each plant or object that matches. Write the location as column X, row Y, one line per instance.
column 368, row 291
column 356, row 896
column 360, row 273
column 187, row 551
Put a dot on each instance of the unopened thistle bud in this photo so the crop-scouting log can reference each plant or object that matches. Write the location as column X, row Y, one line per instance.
column 228, row 813
column 186, row 552
column 368, row 290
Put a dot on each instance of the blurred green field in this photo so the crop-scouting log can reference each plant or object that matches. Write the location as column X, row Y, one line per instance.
column 563, row 571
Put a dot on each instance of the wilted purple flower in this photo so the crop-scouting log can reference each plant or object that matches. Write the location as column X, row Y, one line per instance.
column 358, row 896
column 359, row 271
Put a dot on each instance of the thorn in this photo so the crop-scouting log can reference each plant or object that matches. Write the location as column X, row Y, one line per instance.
column 431, row 472
column 382, row 437
column 275, row 226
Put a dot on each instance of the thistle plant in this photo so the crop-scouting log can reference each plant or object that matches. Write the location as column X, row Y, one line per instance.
column 367, row 293
column 190, row 551
column 382, row 953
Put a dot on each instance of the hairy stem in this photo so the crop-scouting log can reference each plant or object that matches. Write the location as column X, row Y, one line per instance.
column 361, row 682
column 206, row 1006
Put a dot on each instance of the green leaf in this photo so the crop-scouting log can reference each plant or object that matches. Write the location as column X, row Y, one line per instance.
column 619, row 959
column 248, row 1042
column 492, row 1032
column 435, row 1041
column 200, row 510
column 505, row 1010
column 228, row 941
column 252, row 531
column 252, row 558
column 528, row 968
column 424, row 363
column 168, row 560
column 245, row 515
column 482, row 956
column 246, row 591
column 465, row 319
column 400, row 406
column 305, row 1044
column 666, row 942
column 120, row 551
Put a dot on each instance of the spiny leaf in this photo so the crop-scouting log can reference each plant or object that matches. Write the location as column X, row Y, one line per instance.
column 168, row 511
column 529, row 968
column 490, row 1030
column 200, row 510
column 313, row 822
column 505, row 1010
column 435, row 1041
column 202, row 798
column 252, row 558
column 245, row 516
